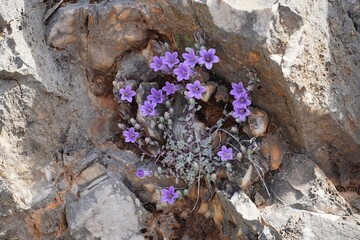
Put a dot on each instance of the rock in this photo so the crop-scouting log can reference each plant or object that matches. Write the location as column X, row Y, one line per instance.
column 258, row 122
column 55, row 108
column 273, row 146
column 106, row 209
column 301, row 184
column 222, row 94
column 7, row 200
column 83, row 29
column 240, row 213
column 210, row 88
column 299, row 224
column 90, row 174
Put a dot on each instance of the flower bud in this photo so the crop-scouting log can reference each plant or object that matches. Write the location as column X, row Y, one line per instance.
column 171, row 110
column 192, row 101
column 170, row 122
column 161, row 119
column 133, row 121
column 196, row 165
column 213, row 177
column 228, row 166
column 137, row 126
column 122, row 126
column 186, row 192
column 243, row 149
column 239, row 155
column 166, row 115
column 234, row 129
column 147, row 140
column 161, row 126
column 168, row 103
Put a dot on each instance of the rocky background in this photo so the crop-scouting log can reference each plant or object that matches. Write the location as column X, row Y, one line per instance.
column 63, row 174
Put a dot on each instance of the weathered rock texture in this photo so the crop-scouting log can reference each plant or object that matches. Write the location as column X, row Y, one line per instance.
column 58, row 117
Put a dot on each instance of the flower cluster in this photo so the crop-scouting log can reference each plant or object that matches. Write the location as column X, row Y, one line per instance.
column 242, row 101
column 192, row 154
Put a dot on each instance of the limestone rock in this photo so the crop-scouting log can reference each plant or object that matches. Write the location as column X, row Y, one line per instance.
column 302, row 185
column 54, row 107
column 258, row 122
column 106, row 209
column 298, row 224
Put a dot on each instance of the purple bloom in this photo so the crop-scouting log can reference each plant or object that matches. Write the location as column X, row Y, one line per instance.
column 237, row 90
column 170, row 88
column 183, row 71
column 241, row 112
column 195, row 90
column 208, row 58
column 225, row 153
column 157, row 63
column 242, row 100
column 190, row 58
column 148, row 109
column 141, row 173
column 171, row 59
column 168, row 195
column 127, row 94
column 156, row 96
column 130, row 135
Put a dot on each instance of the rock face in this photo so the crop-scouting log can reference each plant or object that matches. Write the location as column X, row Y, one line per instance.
column 58, row 117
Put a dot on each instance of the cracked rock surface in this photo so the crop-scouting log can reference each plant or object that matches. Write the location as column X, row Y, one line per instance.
column 62, row 175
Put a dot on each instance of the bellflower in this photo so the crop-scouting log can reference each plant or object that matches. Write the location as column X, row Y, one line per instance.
column 127, row 94
column 157, row 63
column 241, row 112
column 225, row 153
column 237, row 89
column 148, row 109
column 208, row 58
column 195, row 90
column 130, row 135
column 156, row 96
column 171, row 59
column 190, row 58
column 242, row 100
column 170, row 88
column 169, row 195
column 183, row 71
column 141, row 173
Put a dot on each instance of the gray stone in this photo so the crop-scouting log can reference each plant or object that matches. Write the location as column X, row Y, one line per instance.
column 301, row 184
column 106, row 209
column 299, row 224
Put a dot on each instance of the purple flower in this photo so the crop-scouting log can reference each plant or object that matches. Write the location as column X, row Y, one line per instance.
column 237, row 90
column 225, row 153
column 190, row 58
column 171, row 59
column 148, row 109
column 168, row 195
column 183, row 71
column 156, row 96
column 130, row 135
column 157, row 63
column 241, row 112
column 127, row 94
column 195, row 90
column 141, row 173
column 242, row 100
column 170, row 88
column 208, row 58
